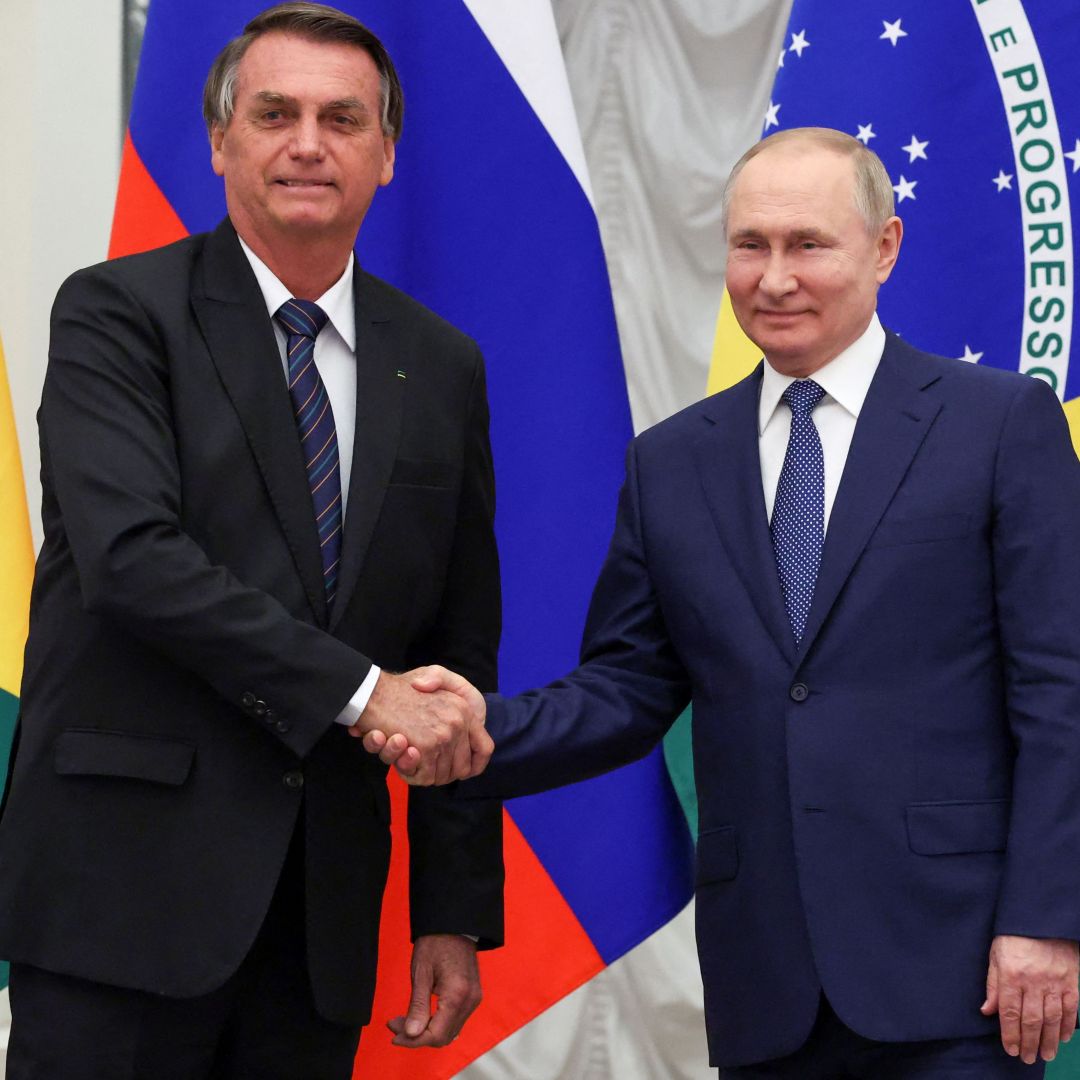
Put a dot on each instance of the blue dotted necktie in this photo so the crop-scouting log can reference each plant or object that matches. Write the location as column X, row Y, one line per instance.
column 798, row 521
column 302, row 321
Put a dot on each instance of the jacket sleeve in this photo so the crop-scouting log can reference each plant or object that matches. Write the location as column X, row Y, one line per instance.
column 109, row 459
column 1037, row 591
column 613, row 708
column 456, row 858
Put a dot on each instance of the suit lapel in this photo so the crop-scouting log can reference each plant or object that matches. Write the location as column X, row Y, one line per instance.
column 380, row 393
column 892, row 425
column 729, row 466
column 231, row 313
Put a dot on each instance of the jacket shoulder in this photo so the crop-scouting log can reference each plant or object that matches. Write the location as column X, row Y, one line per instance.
column 381, row 301
column 144, row 275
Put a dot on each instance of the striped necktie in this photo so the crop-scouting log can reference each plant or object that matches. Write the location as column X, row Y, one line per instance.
column 798, row 521
column 302, row 321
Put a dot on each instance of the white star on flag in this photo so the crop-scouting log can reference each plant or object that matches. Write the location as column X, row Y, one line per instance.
column 866, row 133
column 780, row 62
column 1003, row 180
column 916, row 149
column 1074, row 155
column 905, row 189
column 798, row 43
column 893, row 31
column 969, row 356
column 770, row 116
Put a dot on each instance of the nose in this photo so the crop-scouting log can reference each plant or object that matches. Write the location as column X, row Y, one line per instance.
column 777, row 278
column 306, row 142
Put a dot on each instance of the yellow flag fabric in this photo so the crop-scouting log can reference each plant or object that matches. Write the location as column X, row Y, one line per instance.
column 734, row 355
column 16, row 548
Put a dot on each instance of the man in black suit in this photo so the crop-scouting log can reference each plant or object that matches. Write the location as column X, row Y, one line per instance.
column 192, row 850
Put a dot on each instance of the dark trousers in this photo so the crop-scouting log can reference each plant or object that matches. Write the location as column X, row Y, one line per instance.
column 834, row 1052
column 261, row 1023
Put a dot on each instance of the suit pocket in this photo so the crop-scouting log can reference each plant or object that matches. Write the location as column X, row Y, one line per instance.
column 92, row 752
column 717, row 855
column 413, row 473
column 958, row 828
column 921, row 530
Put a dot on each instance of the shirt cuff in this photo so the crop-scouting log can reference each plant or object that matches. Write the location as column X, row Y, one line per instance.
column 358, row 702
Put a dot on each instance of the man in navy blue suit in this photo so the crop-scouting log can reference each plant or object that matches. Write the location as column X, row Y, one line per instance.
column 860, row 565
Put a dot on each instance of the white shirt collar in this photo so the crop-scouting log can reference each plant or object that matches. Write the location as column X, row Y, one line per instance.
column 337, row 301
column 846, row 378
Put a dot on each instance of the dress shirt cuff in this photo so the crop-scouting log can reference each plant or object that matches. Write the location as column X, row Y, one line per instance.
column 358, row 702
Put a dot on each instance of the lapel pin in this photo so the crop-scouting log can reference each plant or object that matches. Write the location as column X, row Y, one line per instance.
column 401, row 374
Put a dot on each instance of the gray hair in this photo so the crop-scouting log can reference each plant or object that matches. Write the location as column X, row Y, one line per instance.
column 315, row 22
column 873, row 188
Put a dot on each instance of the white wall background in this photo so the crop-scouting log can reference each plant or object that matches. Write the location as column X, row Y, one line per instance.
column 60, row 82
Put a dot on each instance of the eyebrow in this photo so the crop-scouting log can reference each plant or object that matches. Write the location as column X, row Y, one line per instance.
column 273, row 97
column 808, row 233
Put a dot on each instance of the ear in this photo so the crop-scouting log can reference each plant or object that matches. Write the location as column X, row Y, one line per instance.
column 217, row 157
column 389, row 156
column 888, row 247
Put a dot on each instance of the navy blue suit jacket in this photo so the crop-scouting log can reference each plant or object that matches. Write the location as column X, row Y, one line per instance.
column 878, row 804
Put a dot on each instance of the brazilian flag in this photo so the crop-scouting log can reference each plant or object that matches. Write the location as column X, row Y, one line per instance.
column 16, row 572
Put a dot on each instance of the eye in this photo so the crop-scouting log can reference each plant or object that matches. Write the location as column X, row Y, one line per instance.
column 273, row 115
column 345, row 120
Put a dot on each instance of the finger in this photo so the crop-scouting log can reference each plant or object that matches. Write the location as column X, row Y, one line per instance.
column 990, row 1005
column 419, row 1014
column 1009, row 1016
column 1051, row 1027
column 392, row 748
column 1031, row 1025
column 1069, row 1001
column 457, row 1002
column 374, row 741
column 462, row 758
column 482, row 748
column 408, row 764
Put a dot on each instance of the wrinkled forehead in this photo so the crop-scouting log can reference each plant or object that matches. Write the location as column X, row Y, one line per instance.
column 793, row 181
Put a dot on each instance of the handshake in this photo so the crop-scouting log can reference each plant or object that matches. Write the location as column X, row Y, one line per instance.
column 428, row 724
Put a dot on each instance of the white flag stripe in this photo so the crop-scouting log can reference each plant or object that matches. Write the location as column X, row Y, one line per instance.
column 527, row 41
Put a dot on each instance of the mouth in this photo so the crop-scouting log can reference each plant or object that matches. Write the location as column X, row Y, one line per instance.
column 303, row 185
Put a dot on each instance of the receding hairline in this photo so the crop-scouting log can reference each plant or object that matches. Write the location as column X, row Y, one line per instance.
column 872, row 188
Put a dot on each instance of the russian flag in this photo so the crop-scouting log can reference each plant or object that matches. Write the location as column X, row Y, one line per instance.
column 488, row 221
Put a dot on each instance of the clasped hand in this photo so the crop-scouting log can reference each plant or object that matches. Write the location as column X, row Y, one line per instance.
column 429, row 724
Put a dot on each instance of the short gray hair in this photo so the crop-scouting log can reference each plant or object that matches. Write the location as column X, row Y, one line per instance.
column 873, row 188
column 315, row 22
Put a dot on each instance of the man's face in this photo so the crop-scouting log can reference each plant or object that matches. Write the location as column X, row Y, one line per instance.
column 802, row 269
column 303, row 153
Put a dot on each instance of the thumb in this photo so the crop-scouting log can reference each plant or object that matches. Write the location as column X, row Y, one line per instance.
column 426, row 679
column 416, row 1020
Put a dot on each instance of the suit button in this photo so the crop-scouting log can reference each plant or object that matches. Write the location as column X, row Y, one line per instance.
column 259, row 708
column 248, row 699
column 799, row 692
column 282, row 726
column 294, row 778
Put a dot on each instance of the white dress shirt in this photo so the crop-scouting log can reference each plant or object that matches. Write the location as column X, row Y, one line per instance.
column 845, row 380
column 335, row 359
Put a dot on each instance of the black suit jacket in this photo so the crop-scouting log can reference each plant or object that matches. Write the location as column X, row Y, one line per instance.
column 182, row 672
